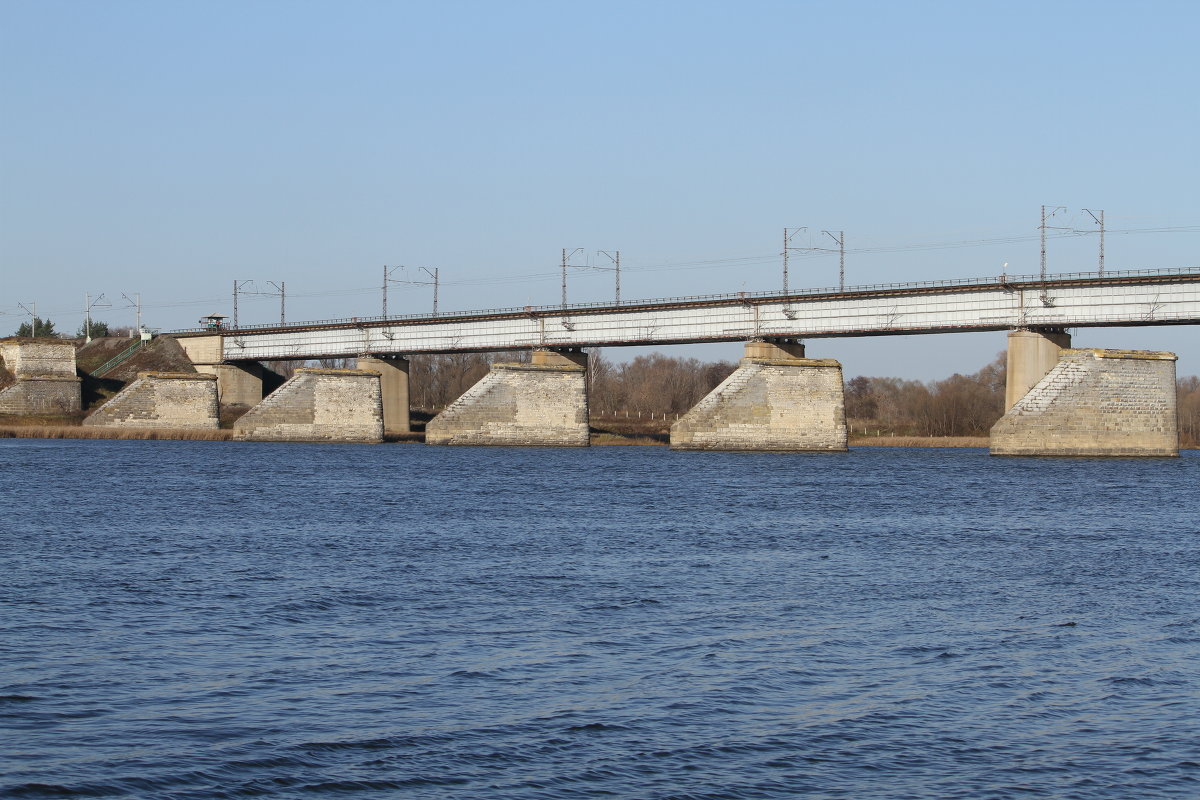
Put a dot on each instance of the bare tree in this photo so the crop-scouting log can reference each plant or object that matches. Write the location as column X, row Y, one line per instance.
column 961, row 405
column 1188, row 390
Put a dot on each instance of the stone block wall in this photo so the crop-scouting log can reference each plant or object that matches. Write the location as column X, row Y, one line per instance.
column 792, row 404
column 35, row 358
column 515, row 405
column 1096, row 403
column 44, row 377
column 318, row 405
column 176, row 400
column 50, row 395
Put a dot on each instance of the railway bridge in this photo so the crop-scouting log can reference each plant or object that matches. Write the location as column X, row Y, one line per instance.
column 1060, row 400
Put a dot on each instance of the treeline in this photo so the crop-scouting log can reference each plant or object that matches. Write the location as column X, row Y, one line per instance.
column 44, row 329
column 660, row 386
column 648, row 385
column 961, row 405
column 653, row 385
column 434, row 381
column 1188, row 390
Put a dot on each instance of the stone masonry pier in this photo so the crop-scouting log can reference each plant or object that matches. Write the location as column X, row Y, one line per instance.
column 540, row 404
column 176, row 400
column 1095, row 403
column 776, row 400
column 45, row 377
column 318, row 405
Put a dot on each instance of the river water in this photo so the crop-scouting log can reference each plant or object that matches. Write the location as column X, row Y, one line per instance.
column 226, row 620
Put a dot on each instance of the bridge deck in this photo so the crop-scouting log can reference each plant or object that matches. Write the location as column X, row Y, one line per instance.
column 1159, row 297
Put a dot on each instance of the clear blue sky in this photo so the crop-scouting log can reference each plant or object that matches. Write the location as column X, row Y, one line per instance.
column 170, row 148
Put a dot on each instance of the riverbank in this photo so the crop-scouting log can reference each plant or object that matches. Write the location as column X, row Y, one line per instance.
column 81, row 432
column 918, row 441
column 639, row 436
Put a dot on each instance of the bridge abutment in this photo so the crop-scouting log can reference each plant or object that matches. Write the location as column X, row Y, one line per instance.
column 1096, row 403
column 318, row 405
column 540, row 404
column 393, row 385
column 776, row 400
column 44, row 378
column 176, row 400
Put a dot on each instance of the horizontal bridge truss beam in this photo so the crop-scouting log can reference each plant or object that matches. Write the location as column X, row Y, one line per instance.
column 1112, row 300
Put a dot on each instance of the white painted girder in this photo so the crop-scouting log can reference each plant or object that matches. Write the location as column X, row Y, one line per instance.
column 991, row 307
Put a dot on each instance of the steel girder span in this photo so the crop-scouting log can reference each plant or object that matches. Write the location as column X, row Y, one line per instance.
column 1117, row 299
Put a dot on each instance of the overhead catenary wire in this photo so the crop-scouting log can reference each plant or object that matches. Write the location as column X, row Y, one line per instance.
column 675, row 266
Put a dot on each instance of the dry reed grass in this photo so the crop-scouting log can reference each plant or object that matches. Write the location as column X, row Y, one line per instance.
column 599, row 438
column 919, row 441
column 604, row 439
column 41, row 420
column 80, row 432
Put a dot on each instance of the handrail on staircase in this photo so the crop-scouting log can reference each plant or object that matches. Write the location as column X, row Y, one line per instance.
column 117, row 360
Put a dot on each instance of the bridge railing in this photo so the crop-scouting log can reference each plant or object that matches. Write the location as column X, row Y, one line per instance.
column 594, row 305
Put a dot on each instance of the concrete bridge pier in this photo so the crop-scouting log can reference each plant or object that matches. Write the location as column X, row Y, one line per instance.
column 238, row 382
column 1032, row 353
column 393, row 383
column 777, row 399
column 540, row 404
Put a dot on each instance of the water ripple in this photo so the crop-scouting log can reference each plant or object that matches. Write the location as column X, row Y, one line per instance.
column 287, row 621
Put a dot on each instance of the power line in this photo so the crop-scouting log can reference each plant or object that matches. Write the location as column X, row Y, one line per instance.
column 615, row 258
column 841, row 243
column 1099, row 221
column 566, row 257
column 697, row 264
column 787, row 248
column 388, row 279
